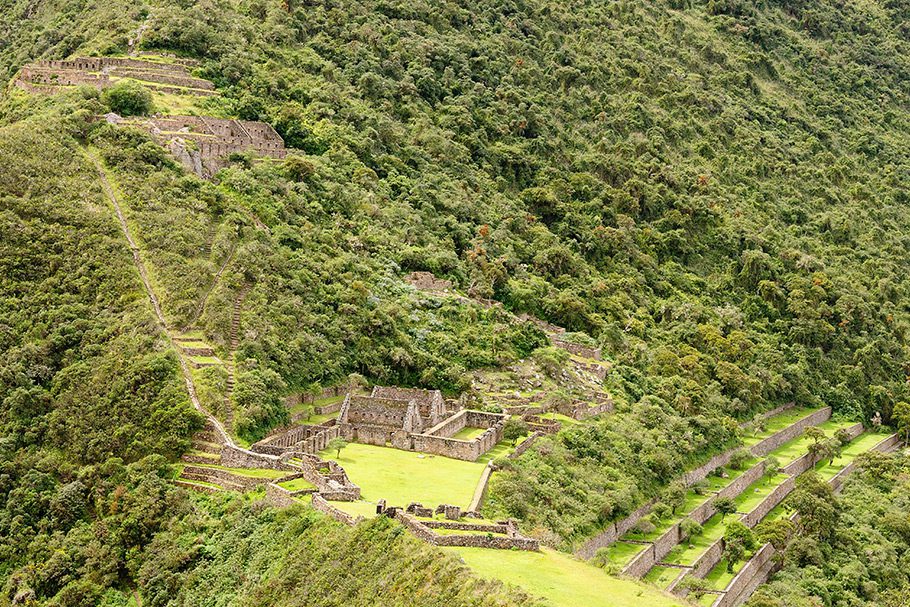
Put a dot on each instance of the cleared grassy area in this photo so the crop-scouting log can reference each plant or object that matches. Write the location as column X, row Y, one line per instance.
column 359, row 508
column 795, row 449
column 297, row 484
column 401, row 477
column 205, row 360
column 621, row 553
column 468, row 433
column 662, row 577
column 757, row 491
column 319, row 402
column 687, row 552
column 860, row 445
column 563, row 580
column 462, row 532
column 565, row 419
column 775, row 424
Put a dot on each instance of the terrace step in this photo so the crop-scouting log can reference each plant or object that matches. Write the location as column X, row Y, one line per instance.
column 198, row 486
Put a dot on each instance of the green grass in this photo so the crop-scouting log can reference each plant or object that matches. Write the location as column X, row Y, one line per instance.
column 795, row 449
column 662, row 577
column 401, row 477
column 562, row 580
column 755, row 493
column 776, row 424
column 469, row 433
column 358, row 508
column 464, row 532
column 621, row 553
column 687, row 552
column 559, row 417
column 205, row 360
column 297, row 484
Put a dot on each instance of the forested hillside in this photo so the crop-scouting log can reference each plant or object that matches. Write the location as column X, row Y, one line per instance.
column 715, row 193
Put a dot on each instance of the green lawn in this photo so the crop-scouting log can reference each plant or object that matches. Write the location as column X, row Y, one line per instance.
column 469, row 433
column 359, row 508
column 795, row 449
column 662, row 577
column 561, row 579
column 401, row 477
column 621, row 553
column 776, row 424
column 757, row 492
column 297, row 484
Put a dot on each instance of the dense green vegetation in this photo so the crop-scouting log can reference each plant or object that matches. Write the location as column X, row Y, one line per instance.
column 848, row 550
column 715, row 192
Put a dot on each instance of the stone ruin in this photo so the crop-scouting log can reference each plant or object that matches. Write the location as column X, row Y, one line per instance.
column 102, row 72
column 426, row 281
column 417, row 420
column 204, row 145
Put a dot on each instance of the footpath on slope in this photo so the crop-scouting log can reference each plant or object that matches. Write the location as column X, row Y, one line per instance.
column 223, row 434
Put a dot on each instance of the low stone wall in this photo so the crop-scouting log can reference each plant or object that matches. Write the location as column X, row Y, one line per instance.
column 790, row 432
column 278, row 496
column 218, row 476
column 576, row 349
column 754, row 573
column 320, row 504
column 195, row 487
column 708, row 560
column 524, row 445
column 480, row 492
column 459, row 526
column 498, row 542
column 754, row 516
column 641, row 564
column 766, row 415
column 234, row 457
column 613, row 532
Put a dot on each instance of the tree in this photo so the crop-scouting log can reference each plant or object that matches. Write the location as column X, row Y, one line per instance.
column 815, row 433
column 777, row 532
column 901, row 418
column 724, row 505
column 772, row 469
column 738, row 539
column 514, row 428
column 128, row 98
column 688, row 529
column 675, row 496
column 739, row 458
column 818, row 509
column 337, row 444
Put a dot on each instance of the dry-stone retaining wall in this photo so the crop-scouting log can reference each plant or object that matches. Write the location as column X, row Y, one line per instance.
column 319, row 503
column 222, row 477
column 767, row 414
column 576, row 349
column 426, row 281
column 279, row 496
column 525, row 445
column 425, row 533
column 234, row 457
column 790, row 432
column 754, row 573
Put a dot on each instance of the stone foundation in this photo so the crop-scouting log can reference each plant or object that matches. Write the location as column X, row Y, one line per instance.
column 425, row 533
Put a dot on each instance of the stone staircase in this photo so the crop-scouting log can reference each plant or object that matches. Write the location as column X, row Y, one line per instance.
column 234, row 344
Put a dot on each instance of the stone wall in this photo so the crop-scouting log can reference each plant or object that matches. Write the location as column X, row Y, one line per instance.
column 576, row 349
column 234, row 457
column 499, row 542
column 613, row 532
column 754, row 573
column 222, row 477
column 278, row 496
column 790, row 432
column 754, row 516
column 641, row 564
column 426, row 281
column 480, row 492
column 766, row 415
column 524, row 445
column 708, row 560
column 320, row 504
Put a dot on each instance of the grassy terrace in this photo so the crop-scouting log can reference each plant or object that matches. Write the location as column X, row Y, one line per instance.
column 319, row 402
column 775, row 424
column 468, row 433
column 561, row 579
column 297, row 484
column 401, row 477
column 719, row 577
column 714, row 528
column 796, row 448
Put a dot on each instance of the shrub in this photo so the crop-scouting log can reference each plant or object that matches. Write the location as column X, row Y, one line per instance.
column 128, row 98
